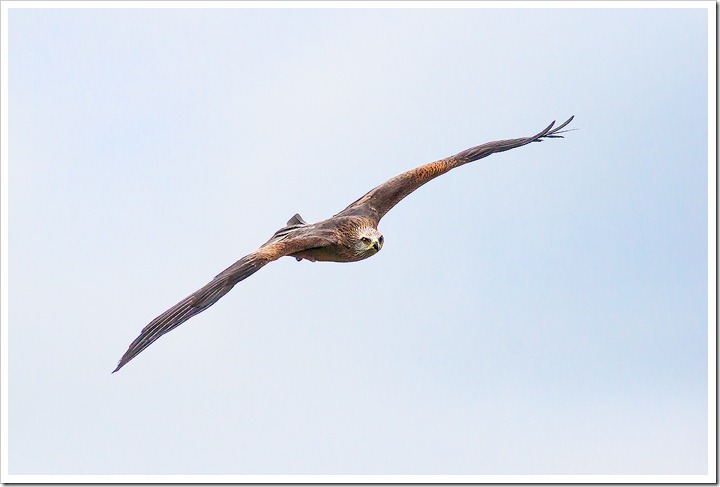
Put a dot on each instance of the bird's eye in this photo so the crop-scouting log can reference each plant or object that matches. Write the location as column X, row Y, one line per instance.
column 381, row 239
column 365, row 240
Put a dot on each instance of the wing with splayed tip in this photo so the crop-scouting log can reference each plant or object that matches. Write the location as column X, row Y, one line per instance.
column 378, row 201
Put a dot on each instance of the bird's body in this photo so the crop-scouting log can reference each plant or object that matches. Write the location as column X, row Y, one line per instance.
column 348, row 236
column 341, row 235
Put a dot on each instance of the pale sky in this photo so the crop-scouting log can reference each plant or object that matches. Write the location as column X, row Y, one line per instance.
column 542, row 311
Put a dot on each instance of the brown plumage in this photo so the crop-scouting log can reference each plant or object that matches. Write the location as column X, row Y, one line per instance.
column 349, row 236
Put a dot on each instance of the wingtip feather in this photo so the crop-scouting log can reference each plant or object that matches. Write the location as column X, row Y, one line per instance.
column 565, row 123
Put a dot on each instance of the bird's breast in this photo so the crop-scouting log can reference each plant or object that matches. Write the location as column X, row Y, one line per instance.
column 331, row 253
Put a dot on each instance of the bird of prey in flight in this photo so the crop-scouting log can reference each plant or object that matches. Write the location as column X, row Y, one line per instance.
column 349, row 236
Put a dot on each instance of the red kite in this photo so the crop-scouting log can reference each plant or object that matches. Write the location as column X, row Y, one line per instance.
column 349, row 236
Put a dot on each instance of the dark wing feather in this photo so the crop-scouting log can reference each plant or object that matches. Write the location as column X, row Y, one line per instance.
column 209, row 294
column 378, row 201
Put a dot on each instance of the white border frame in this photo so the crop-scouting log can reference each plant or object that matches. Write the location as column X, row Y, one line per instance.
column 711, row 477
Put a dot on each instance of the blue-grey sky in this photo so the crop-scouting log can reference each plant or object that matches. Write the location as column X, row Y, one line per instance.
column 543, row 311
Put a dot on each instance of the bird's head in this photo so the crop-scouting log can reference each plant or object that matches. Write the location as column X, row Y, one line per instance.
column 369, row 241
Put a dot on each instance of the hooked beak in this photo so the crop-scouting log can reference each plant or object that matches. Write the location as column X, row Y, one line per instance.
column 376, row 245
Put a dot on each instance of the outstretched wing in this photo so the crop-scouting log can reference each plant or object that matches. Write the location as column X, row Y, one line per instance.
column 378, row 201
column 209, row 294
